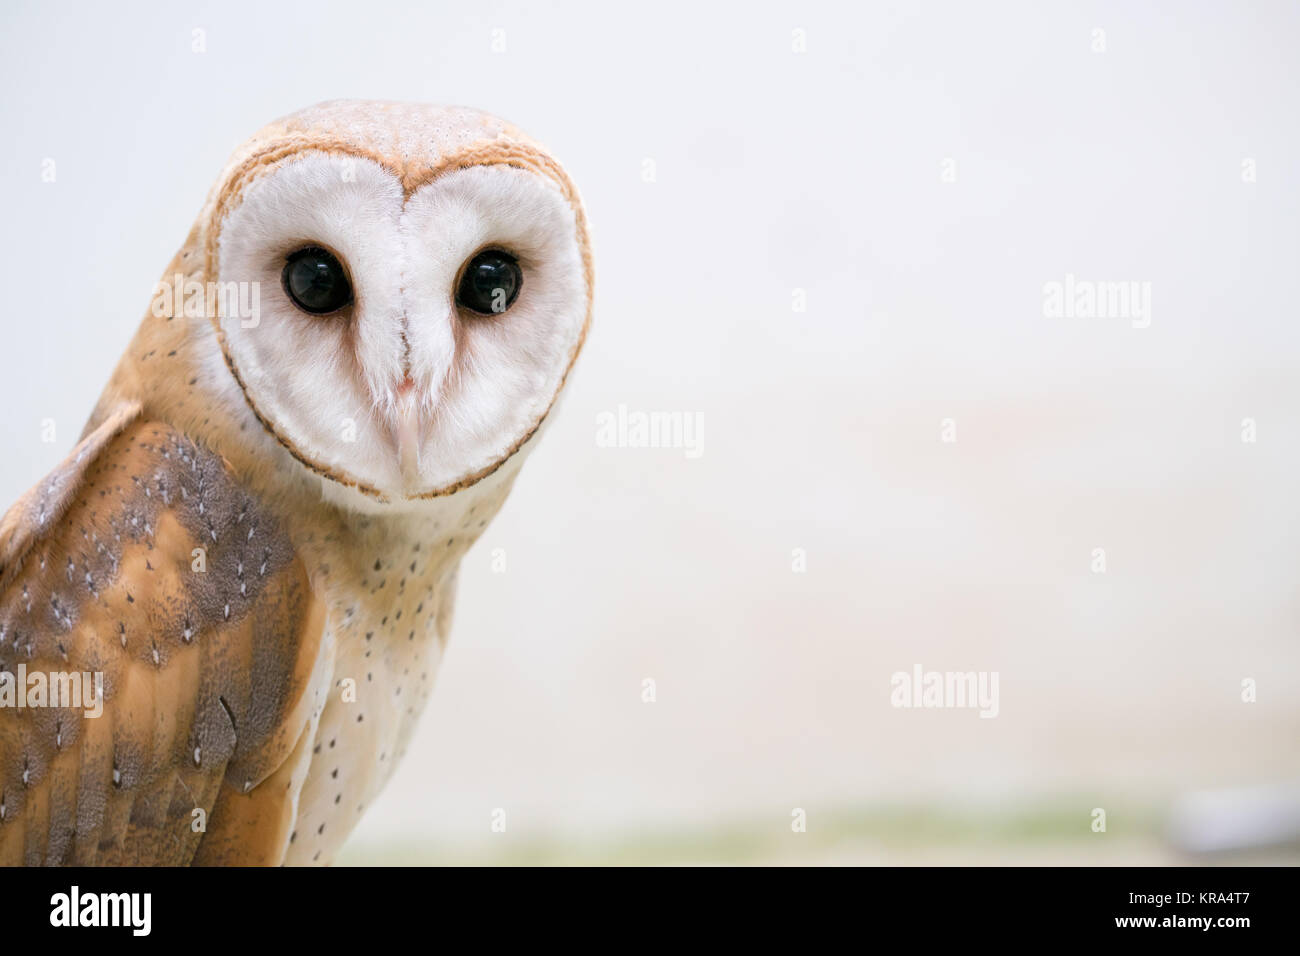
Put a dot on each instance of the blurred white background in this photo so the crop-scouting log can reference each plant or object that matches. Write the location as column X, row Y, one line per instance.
column 920, row 171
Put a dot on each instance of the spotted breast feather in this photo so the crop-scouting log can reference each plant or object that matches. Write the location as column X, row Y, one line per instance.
column 143, row 574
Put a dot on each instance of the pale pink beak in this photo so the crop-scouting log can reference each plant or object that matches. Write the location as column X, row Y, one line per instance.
column 408, row 432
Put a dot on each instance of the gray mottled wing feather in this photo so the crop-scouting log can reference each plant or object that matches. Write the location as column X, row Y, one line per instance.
column 142, row 559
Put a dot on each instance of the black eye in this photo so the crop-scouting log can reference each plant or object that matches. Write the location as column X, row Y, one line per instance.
column 316, row 281
column 491, row 282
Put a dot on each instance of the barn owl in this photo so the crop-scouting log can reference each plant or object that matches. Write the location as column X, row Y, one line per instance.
column 253, row 549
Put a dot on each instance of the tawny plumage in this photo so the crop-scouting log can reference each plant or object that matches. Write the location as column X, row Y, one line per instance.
column 256, row 541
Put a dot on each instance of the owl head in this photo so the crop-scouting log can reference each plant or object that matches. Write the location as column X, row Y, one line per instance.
column 401, row 291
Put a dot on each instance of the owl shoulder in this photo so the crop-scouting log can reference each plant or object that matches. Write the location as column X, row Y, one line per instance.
column 144, row 564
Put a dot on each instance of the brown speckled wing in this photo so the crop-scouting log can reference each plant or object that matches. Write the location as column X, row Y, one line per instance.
column 142, row 558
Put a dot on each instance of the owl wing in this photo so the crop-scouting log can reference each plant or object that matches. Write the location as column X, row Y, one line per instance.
column 142, row 559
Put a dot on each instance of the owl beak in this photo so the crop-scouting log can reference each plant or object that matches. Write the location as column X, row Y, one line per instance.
column 408, row 434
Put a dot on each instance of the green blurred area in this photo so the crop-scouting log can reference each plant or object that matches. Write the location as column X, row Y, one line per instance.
column 1054, row 833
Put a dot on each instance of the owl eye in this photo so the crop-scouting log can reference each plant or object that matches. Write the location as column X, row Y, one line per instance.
column 316, row 281
column 490, row 283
